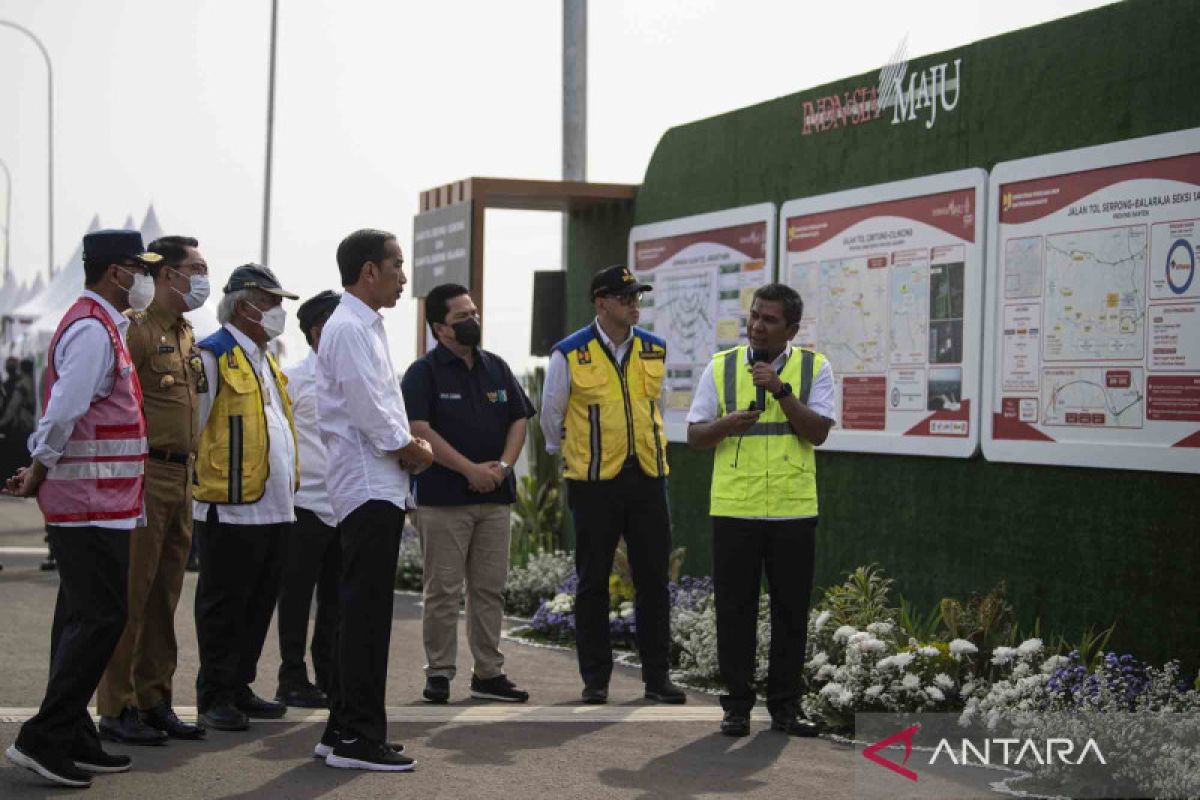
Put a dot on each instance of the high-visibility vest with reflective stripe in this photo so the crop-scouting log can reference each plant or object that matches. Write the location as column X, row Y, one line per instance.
column 234, row 457
column 768, row 471
column 613, row 408
column 100, row 474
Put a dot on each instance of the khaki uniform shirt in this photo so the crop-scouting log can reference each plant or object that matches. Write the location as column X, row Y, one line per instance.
column 168, row 363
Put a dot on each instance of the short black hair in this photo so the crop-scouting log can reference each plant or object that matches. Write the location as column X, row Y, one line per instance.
column 793, row 306
column 357, row 249
column 94, row 269
column 173, row 250
column 438, row 300
column 316, row 323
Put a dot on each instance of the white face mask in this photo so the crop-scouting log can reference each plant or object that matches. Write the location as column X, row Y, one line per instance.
column 272, row 320
column 141, row 293
column 197, row 293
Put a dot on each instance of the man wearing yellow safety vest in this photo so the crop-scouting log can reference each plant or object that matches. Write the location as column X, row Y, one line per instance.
column 601, row 406
column 764, row 407
column 247, row 472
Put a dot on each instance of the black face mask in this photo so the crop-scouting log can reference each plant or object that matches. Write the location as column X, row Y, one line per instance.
column 468, row 333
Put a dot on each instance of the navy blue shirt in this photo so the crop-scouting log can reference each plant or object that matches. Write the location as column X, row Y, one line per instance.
column 472, row 409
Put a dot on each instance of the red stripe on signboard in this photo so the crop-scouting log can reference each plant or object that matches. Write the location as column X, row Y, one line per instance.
column 953, row 212
column 1189, row 441
column 1009, row 428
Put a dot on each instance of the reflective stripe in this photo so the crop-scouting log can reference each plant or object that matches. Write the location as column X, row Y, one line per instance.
column 96, row 470
column 731, row 365
column 235, row 459
column 594, row 424
column 93, row 448
column 770, row 429
column 806, row 376
column 658, row 453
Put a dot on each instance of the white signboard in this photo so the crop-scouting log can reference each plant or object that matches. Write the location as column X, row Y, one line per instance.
column 1092, row 350
column 704, row 270
column 891, row 277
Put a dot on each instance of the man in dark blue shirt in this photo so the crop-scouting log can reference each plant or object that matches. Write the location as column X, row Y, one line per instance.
column 466, row 402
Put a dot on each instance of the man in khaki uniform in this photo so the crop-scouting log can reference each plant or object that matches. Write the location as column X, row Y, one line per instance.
column 134, row 696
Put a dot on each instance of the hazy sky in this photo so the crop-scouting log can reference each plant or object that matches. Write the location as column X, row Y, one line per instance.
column 163, row 102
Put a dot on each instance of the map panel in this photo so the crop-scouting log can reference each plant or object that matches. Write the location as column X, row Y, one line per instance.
column 1092, row 396
column 1023, row 267
column 853, row 315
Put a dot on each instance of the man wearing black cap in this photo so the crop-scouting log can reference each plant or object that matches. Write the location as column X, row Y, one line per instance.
column 601, row 409
column 87, row 472
column 247, row 470
column 314, row 554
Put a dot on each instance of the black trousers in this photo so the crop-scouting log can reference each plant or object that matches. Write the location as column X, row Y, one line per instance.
column 634, row 506
column 742, row 549
column 370, row 538
column 314, row 559
column 89, row 617
column 240, row 567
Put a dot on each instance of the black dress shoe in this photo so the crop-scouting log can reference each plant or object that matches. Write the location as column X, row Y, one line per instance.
column 224, row 717
column 303, row 696
column 735, row 723
column 595, row 695
column 129, row 729
column 255, row 707
column 791, row 724
column 665, row 692
column 162, row 717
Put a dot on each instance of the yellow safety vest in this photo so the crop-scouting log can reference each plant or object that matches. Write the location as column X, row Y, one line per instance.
column 234, row 458
column 768, row 471
column 613, row 408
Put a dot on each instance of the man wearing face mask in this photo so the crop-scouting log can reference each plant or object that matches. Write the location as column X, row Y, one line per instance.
column 134, row 697
column 467, row 404
column 88, row 460
column 247, row 471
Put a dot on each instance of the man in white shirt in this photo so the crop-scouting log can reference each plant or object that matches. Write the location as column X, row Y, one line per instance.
column 87, row 471
column 366, row 432
column 246, row 474
column 314, row 554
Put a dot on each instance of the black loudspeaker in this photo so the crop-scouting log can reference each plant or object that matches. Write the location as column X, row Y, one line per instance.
column 548, row 324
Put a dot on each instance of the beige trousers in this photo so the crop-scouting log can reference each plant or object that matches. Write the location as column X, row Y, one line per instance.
column 464, row 544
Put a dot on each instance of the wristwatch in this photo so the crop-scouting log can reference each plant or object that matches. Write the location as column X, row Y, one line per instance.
column 782, row 393
column 507, row 467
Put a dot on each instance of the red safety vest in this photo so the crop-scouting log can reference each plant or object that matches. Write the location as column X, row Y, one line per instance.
column 102, row 469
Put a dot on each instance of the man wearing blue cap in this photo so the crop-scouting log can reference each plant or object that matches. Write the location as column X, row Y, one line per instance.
column 87, row 469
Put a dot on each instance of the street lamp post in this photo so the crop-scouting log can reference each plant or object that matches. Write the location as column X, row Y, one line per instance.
column 7, row 218
column 49, row 145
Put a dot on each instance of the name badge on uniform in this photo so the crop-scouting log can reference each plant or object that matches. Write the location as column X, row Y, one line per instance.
column 166, row 348
column 498, row 396
column 652, row 355
column 450, row 396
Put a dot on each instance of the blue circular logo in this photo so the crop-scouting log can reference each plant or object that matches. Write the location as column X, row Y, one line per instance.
column 1181, row 266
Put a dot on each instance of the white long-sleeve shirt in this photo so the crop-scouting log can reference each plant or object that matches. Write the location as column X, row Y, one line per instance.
column 360, row 410
column 556, row 390
column 302, row 390
column 85, row 362
column 275, row 506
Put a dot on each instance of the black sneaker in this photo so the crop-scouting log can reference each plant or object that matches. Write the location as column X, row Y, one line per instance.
column 303, row 695
column 58, row 769
column 790, row 723
column 95, row 760
column 437, row 689
column 665, row 692
column 363, row 754
column 497, row 688
column 735, row 724
column 330, row 738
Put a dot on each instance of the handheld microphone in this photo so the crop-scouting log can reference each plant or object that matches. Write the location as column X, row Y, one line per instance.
column 757, row 356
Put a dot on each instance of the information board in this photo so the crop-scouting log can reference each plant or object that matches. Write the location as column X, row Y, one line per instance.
column 704, row 270
column 1092, row 349
column 891, row 277
column 442, row 248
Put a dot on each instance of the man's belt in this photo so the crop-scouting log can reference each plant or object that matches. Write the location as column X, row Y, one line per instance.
column 168, row 456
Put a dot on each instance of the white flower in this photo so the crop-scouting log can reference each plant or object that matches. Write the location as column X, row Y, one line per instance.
column 830, row 689
column 874, row 691
column 825, row 672
column 902, row 660
column 843, row 633
column 627, row 613
column 935, row 694
column 562, row 603
column 845, row 698
column 872, row 646
column 1054, row 662
column 880, row 628
column 819, row 660
column 1029, row 647
column 1003, row 655
column 943, row 680
column 822, row 618
column 961, row 647
column 929, row 651
column 968, row 688
column 910, row 681
column 612, row 616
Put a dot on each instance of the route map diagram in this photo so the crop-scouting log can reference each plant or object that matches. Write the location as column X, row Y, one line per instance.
column 1095, row 296
column 685, row 314
column 909, row 312
column 853, row 314
column 1023, row 267
column 1093, row 396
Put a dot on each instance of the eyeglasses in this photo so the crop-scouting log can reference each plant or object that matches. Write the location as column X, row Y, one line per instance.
column 631, row 299
column 136, row 266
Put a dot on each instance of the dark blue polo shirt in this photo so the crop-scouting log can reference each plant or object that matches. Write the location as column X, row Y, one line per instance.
column 472, row 409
